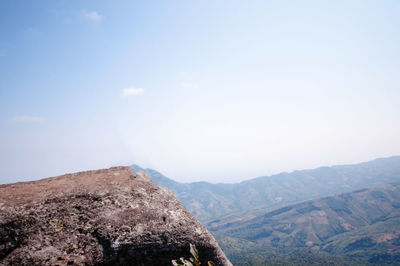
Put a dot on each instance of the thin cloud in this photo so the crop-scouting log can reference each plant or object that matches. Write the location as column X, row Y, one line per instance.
column 27, row 118
column 192, row 85
column 33, row 32
column 93, row 16
column 132, row 91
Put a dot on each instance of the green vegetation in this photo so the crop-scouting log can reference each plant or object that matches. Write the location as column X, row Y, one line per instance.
column 357, row 228
column 193, row 261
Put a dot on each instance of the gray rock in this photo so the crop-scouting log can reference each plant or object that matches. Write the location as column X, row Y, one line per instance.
column 105, row 217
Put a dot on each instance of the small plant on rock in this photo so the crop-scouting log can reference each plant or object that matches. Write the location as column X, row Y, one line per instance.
column 193, row 261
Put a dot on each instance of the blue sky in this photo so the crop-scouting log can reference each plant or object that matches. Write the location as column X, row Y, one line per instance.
column 219, row 91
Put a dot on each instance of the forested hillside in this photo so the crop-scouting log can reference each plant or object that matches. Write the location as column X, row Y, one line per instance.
column 362, row 225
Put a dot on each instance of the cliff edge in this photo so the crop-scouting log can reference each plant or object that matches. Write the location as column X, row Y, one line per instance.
column 104, row 217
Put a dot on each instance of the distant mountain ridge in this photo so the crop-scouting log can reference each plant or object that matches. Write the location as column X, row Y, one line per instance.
column 246, row 199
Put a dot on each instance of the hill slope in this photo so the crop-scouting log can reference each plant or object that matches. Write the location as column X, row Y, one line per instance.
column 362, row 225
column 209, row 201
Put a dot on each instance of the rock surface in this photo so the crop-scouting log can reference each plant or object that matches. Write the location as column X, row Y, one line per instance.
column 105, row 217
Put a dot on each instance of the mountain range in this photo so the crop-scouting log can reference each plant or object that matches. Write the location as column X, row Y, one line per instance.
column 338, row 215
column 209, row 202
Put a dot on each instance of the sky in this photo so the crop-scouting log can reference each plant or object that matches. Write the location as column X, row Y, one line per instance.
column 219, row 91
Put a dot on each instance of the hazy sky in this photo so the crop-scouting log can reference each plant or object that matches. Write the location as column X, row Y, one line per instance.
column 200, row 90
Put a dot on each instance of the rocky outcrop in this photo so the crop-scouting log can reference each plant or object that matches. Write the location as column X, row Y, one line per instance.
column 105, row 217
